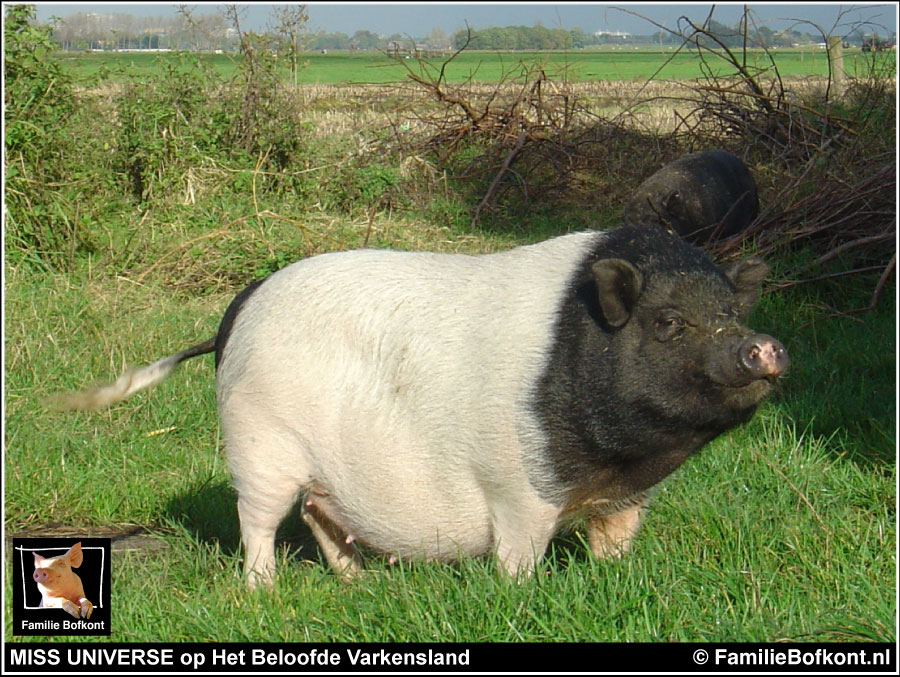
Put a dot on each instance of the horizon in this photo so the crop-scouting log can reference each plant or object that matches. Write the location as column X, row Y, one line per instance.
column 634, row 18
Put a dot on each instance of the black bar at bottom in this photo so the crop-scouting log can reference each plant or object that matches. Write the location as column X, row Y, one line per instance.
column 29, row 657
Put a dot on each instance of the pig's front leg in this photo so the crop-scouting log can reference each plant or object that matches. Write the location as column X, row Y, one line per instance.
column 83, row 609
column 71, row 608
column 610, row 534
column 522, row 533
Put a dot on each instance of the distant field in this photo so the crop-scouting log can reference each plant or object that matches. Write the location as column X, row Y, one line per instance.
column 373, row 67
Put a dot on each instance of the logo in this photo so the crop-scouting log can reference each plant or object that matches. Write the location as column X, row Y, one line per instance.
column 61, row 586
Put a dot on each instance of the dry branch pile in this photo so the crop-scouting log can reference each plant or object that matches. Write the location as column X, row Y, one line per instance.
column 524, row 139
column 854, row 221
column 826, row 170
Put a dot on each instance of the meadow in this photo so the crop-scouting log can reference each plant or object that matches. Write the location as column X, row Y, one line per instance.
column 127, row 240
column 581, row 66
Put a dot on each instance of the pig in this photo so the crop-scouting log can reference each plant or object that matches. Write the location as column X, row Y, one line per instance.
column 435, row 406
column 60, row 586
column 702, row 197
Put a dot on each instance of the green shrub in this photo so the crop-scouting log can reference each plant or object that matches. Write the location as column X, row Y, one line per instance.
column 369, row 187
column 163, row 125
column 39, row 104
column 37, row 92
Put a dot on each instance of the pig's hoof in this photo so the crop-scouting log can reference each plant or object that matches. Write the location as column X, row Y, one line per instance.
column 71, row 608
column 256, row 579
column 86, row 608
column 348, row 570
column 610, row 549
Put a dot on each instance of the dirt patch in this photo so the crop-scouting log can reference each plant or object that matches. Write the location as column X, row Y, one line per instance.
column 124, row 538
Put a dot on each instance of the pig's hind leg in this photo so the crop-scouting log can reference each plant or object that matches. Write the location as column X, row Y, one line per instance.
column 259, row 521
column 268, row 469
column 265, row 496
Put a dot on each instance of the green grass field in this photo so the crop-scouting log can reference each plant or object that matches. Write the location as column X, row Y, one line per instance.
column 370, row 67
column 780, row 530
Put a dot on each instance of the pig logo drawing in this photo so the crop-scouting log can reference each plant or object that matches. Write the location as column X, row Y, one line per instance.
column 62, row 585
column 59, row 585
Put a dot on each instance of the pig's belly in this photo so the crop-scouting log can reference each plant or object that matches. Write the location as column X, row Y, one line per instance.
column 417, row 529
column 406, row 485
column 403, row 506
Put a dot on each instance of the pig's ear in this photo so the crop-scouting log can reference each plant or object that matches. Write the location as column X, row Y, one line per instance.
column 747, row 276
column 670, row 204
column 75, row 556
column 618, row 287
column 38, row 558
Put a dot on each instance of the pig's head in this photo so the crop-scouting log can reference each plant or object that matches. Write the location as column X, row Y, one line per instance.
column 48, row 571
column 676, row 324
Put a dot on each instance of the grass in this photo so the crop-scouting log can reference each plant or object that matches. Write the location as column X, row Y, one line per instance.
column 579, row 66
column 780, row 530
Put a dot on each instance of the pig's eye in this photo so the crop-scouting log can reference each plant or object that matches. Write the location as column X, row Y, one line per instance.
column 669, row 326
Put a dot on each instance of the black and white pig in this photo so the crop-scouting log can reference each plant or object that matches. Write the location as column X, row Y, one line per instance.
column 702, row 197
column 436, row 405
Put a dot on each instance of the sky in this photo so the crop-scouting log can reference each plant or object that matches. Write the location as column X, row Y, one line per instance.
column 418, row 19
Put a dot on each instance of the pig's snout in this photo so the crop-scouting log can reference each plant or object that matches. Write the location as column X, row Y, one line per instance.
column 40, row 576
column 763, row 356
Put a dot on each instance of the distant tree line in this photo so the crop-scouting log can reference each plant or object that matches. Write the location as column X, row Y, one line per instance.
column 367, row 40
column 204, row 32
column 763, row 36
column 88, row 30
column 540, row 37
column 207, row 32
column 757, row 36
column 523, row 37
column 362, row 40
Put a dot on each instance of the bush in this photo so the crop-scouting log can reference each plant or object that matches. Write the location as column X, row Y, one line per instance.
column 39, row 106
column 37, row 93
column 164, row 125
column 373, row 187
